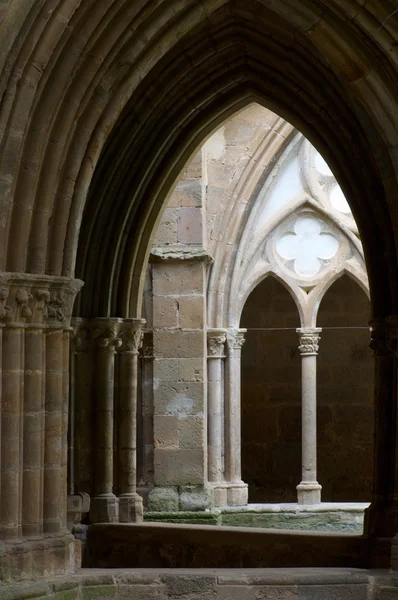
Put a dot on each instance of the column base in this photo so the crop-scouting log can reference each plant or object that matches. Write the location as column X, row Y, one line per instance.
column 131, row 508
column 229, row 494
column 41, row 556
column 104, row 509
column 309, row 492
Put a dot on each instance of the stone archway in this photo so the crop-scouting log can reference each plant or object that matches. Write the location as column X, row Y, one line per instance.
column 102, row 103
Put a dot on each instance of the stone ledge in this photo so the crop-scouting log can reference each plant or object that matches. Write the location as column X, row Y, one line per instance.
column 195, row 584
column 180, row 252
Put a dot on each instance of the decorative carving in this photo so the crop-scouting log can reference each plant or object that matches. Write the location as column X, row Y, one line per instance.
column 107, row 339
column 5, row 310
column 37, row 299
column 307, row 245
column 309, row 341
column 81, row 338
column 132, row 339
column 235, row 339
column 23, row 311
column 55, row 308
column 215, row 345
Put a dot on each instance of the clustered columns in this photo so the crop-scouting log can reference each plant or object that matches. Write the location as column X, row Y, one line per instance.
column 224, row 406
column 35, row 313
column 130, row 503
column 115, row 408
column 308, row 490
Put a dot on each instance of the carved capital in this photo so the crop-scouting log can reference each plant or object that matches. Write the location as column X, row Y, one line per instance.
column 147, row 346
column 216, row 343
column 107, row 339
column 235, row 338
column 37, row 299
column 309, row 341
column 132, row 340
column 81, row 338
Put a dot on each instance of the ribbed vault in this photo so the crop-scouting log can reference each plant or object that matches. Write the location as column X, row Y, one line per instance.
column 103, row 103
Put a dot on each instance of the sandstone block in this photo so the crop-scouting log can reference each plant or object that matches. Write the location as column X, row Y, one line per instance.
column 191, row 432
column 190, row 227
column 191, row 311
column 191, row 369
column 163, row 499
column 178, row 278
column 193, row 498
column 165, row 431
column 165, row 312
column 179, row 466
column 179, row 399
column 179, row 344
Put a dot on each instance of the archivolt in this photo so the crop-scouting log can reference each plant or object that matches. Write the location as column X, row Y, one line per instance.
column 127, row 91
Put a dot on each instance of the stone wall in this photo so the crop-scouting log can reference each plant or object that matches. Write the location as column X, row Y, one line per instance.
column 271, row 396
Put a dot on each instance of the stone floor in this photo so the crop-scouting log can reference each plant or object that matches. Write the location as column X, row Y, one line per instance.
column 327, row 516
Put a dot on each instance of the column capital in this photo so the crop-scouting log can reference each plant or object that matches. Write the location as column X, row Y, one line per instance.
column 81, row 335
column 235, row 338
column 106, row 333
column 309, row 340
column 132, row 335
column 37, row 300
column 216, row 339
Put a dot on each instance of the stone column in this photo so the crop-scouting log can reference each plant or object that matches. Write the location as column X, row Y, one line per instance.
column 130, row 503
column 104, row 506
column 145, row 469
column 216, row 339
column 35, row 313
column 308, row 490
column 237, row 491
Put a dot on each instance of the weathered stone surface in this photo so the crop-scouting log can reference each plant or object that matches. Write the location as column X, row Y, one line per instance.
column 163, row 499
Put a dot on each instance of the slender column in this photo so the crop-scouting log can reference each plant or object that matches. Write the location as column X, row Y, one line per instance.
column 237, row 493
column 82, row 453
column 146, row 422
column 308, row 490
column 104, row 504
column 215, row 403
column 54, row 425
column 130, row 503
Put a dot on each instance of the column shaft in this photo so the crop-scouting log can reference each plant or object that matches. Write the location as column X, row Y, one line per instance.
column 33, row 432
column 54, row 425
column 215, row 403
column 11, row 458
column 237, row 492
column 309, row 490
column 104, row 505
column 130, row 503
